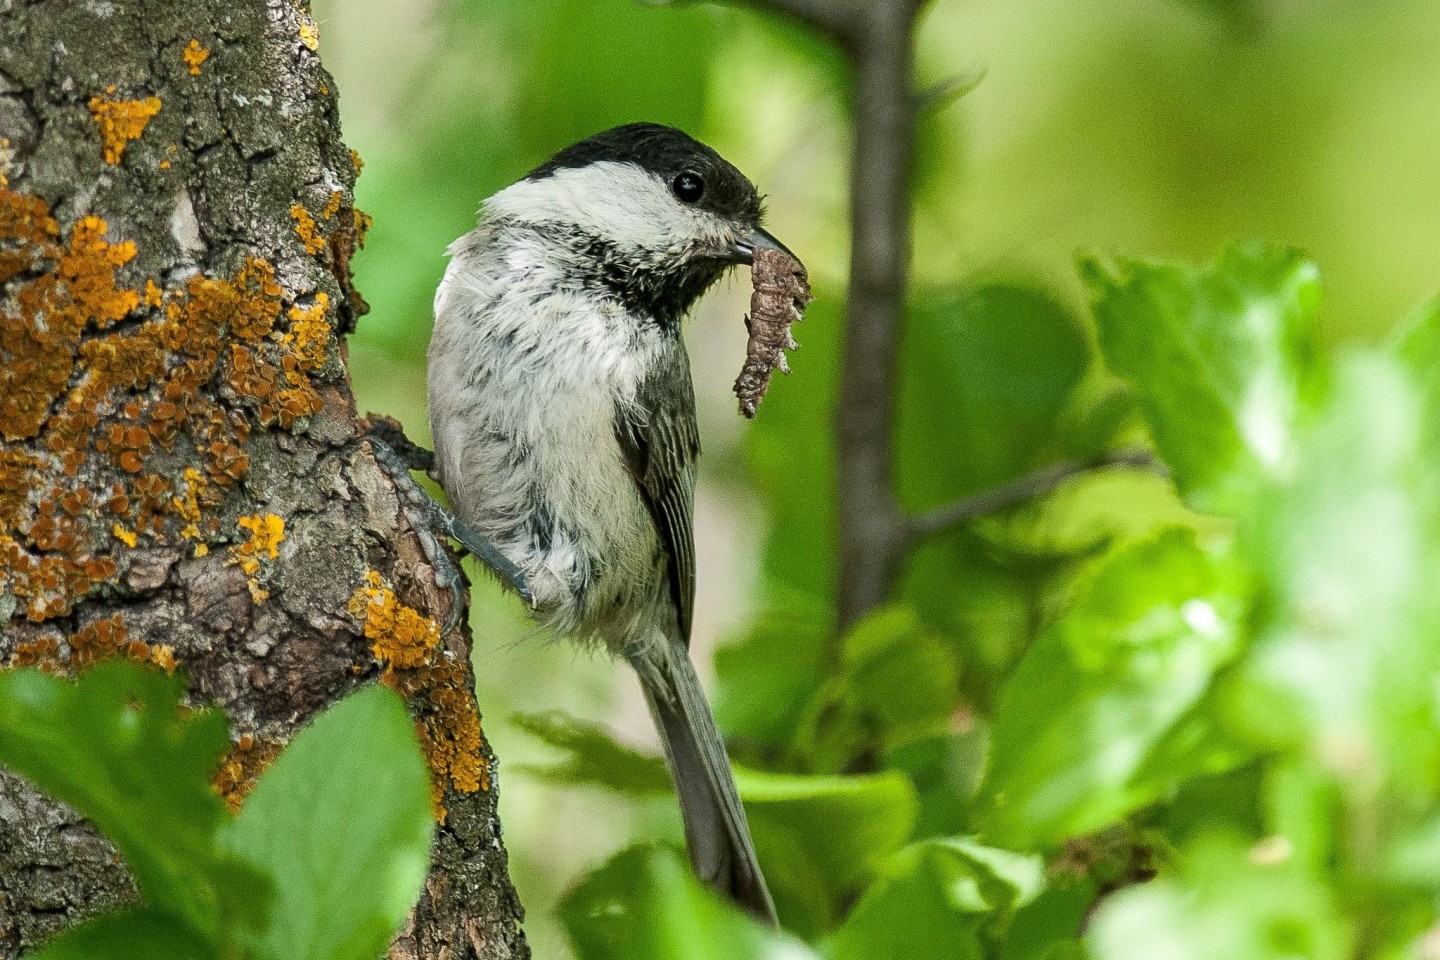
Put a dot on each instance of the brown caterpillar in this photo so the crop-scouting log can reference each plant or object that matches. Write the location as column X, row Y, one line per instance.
column 782, row 290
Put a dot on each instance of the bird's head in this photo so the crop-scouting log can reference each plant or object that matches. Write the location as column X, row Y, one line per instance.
column 644, row 212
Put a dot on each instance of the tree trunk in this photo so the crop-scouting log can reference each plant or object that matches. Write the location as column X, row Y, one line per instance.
column 182, row 474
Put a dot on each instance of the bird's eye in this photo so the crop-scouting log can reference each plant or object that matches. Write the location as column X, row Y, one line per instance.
column 688, row 187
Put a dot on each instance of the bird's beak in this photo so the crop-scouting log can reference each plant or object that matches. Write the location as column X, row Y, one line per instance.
column 743, row 250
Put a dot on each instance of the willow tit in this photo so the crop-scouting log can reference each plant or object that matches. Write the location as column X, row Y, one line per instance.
column 564, row 422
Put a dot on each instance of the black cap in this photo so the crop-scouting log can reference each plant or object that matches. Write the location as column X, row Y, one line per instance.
column 667, row 153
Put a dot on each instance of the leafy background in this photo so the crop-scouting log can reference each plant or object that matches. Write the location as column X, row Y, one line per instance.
column 1231, row 684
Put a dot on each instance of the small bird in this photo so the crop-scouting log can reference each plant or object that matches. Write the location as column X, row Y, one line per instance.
column 563, row 418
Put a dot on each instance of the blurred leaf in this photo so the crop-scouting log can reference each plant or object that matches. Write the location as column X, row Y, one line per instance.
column 793, row 462
column 1222, row 906
column 843, row 827
column 645, row 904
column 899, row 675
column 897, row 681
column 1216, row 357
column 933, row 899
column 1348, row 547
column 984, row 374
column 946, row 770
column 592, row 756
column 137, row 933
column 766, row 678
column 342, row 820
column 1098, row 693
column 117, row 745
column 1048, row 927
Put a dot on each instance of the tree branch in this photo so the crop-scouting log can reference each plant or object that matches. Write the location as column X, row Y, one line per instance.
column 837, row 19
column 1026, row 488
column 872, row 532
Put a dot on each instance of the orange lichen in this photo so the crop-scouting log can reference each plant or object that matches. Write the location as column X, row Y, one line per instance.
column 121, row 121
column 307, row 229
column 43, row 653
column 247, row 760
column 406, row 644
column 267, row 532
column 194, row 55
column 448, row 727
column 403, row 637
column 86, row 405
column 309, row 33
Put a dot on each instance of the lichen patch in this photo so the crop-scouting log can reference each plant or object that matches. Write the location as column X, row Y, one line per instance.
column 121, row 121
column 406, row 644
column 194, row 56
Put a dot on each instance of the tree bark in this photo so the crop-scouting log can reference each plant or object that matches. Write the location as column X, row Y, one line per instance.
column 183, row 478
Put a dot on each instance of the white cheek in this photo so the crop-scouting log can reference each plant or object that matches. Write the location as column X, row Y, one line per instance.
column 619, row 201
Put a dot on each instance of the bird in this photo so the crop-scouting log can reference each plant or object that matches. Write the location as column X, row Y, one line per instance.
column 563, row 416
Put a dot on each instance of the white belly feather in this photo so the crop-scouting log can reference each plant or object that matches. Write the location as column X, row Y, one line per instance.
column 523, row 385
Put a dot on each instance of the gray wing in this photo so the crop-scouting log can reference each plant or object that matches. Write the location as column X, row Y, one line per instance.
column 661, row 442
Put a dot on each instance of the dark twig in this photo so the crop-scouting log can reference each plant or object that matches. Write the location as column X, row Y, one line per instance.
column 872, row 528
column 837, row 19
column 940, row 95
column 1027, row 488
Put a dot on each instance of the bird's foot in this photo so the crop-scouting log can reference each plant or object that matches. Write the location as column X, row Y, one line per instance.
column 427, row 517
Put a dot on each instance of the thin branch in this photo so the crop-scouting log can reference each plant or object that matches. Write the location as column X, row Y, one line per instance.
column 872, row 527
column 837, row 19
column 940, row 95
column 1027, row 488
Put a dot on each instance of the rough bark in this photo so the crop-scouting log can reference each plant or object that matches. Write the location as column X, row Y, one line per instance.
column 182, row 474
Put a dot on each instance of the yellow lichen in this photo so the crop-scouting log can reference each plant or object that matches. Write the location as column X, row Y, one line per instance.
column 194, row 55
column 121, row 121
column 306, row 229
column 163, row 656
column 126, row 537
column 403, row 637
column 247, row 760
column 267, row 532
column 309, row 334
column 309, row 33
column 407, row 645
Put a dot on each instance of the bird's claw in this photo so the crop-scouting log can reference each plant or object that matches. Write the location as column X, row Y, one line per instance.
column 428, row 517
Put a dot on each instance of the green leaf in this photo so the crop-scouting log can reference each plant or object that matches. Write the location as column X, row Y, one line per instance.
column 1347, row 545
column 897, row 681
column 342, row 821
column 935, row 898
column 1217, row 358
column 117, row 746
column 1077, row 727
column 767, row 677
column 986, row 373
column 138, row 933
column 1223, row 905
column 591, row 756
column 645, row 904
column 842, row 827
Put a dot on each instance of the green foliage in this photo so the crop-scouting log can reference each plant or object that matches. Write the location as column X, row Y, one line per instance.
column 645, row 904
column 115, row 746
column 324, row 862
column 1117, row 674
column 342, row 823
column 1215, row 357
column 1211, row 735
column 942, row 898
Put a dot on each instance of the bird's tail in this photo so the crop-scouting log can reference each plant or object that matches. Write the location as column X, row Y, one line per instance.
column 716, row 831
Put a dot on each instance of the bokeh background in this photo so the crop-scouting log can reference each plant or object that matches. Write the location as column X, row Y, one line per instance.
column 1160, row 128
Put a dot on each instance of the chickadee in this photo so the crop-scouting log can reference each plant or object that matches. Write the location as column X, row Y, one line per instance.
column 564, row 422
